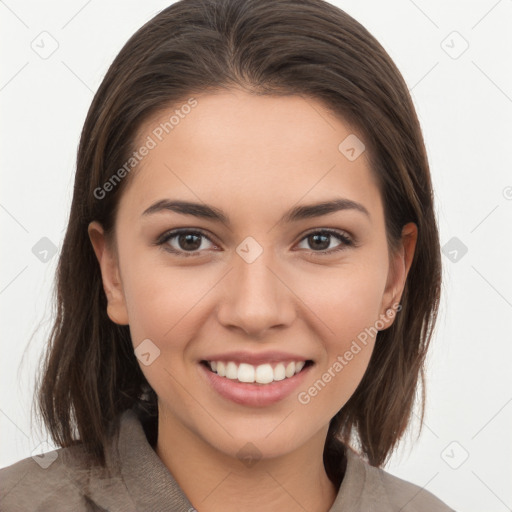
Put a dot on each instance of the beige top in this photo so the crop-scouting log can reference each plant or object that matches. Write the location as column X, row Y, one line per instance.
column 63, row 480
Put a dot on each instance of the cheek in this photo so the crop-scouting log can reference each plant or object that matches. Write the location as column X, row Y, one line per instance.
column 163, row 306
column 345, row 300
column 163, row 302
column 346, row 309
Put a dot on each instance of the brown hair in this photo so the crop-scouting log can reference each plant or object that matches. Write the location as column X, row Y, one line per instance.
column 266, row 47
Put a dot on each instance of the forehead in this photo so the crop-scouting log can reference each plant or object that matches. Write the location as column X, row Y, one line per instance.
column 250, row 151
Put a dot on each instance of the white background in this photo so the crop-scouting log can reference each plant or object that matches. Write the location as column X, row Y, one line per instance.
column 465, row 107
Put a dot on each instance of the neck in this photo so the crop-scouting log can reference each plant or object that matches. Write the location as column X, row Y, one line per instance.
column 214, row 481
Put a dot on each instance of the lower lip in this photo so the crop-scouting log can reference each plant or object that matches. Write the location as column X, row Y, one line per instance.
column 254, row 395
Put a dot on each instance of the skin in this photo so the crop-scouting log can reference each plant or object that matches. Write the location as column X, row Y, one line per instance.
column 254, row 158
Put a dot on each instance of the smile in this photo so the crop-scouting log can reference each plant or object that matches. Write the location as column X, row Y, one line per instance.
column 261, row 374
column 252, row 392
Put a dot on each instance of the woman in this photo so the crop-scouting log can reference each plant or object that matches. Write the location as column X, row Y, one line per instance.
column 206, row 355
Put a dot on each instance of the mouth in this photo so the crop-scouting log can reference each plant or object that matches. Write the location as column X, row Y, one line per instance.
column 258, row 375
column 254, row 386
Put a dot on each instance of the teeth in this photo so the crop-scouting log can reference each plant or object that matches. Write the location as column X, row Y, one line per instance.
column 246, row 373
column 290, row 370
column 262, row 374
column 231, row 371
column 279, row 372
column 299, row 365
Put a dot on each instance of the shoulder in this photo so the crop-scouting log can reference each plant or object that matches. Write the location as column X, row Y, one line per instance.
column 70, row 478
column 378, row 487
column 55, row 480
column 408, row 496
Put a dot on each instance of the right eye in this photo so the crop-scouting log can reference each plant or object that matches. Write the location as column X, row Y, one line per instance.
column 187, row 242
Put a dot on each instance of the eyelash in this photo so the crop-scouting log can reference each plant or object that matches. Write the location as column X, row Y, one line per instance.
column 342, row 237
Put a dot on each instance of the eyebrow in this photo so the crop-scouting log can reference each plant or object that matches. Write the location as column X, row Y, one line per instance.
column 295, row 214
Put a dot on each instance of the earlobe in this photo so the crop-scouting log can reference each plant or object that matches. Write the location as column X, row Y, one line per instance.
column 110, row 274
column 399, row 269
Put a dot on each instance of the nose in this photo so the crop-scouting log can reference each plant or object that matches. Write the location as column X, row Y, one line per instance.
column 255, row 297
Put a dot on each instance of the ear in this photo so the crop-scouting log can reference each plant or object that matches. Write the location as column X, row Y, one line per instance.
column 110, row 274
column 400, row 263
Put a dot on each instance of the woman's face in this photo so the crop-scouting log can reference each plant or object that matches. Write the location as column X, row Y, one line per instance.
column 262, row 279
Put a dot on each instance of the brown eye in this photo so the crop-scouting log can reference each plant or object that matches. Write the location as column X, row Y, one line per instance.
column 185, row 242
column 189, row 242
column 320, row 241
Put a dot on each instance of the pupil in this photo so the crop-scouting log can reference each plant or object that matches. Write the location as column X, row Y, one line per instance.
column 185, row 239
column 325, row 237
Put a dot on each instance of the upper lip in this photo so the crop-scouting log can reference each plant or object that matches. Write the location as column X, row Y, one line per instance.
column 255, row 358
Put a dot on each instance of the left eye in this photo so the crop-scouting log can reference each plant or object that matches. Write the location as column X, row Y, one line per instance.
column 190, row 242
column 320, row 237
